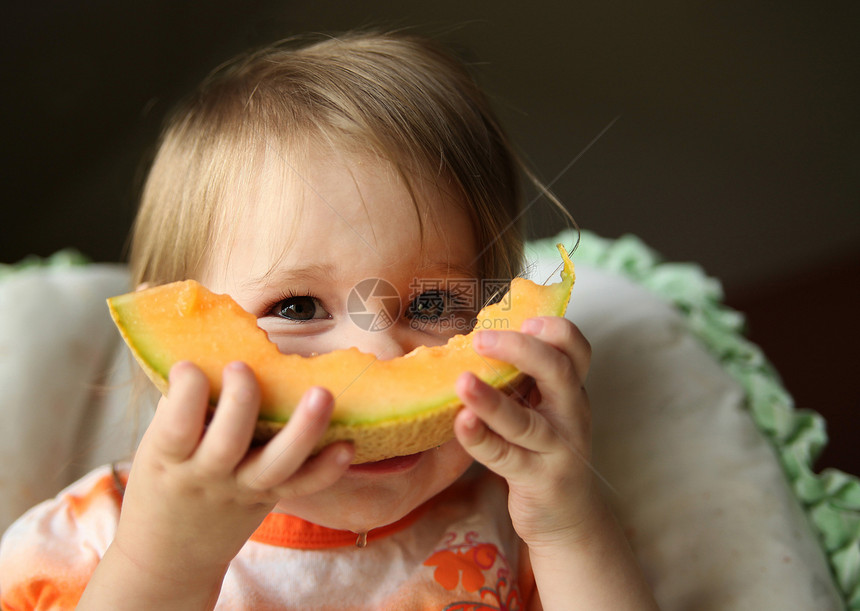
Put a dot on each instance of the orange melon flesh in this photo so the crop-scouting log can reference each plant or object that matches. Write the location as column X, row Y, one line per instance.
column 386, row 408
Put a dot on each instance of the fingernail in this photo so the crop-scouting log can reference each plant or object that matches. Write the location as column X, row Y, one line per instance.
column 316, row 399
column 470, row 419
column 177, row 369
column 486, row 339
column 237, row 366
column 469, row 384
column 344, row 456
column 532, row 326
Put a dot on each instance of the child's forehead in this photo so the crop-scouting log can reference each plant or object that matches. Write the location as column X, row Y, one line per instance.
column 288, row 205
column 311, row 185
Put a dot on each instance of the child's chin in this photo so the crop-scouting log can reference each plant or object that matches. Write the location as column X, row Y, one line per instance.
column 371, row 495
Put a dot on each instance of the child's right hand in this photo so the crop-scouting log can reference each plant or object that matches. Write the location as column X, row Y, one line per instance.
column 196, row 493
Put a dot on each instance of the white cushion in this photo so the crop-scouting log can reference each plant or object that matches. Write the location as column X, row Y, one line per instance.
column 56, row 342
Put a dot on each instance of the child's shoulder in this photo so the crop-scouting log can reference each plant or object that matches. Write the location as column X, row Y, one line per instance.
column 63, row 538
column 88, row 503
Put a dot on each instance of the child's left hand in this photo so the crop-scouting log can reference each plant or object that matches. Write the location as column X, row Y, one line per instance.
column 539, row 444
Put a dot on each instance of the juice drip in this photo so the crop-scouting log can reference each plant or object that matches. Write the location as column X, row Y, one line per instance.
column 361, row 541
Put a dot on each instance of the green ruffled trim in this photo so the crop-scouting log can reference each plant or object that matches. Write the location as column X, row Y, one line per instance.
column 831, row 499
column 63, row 258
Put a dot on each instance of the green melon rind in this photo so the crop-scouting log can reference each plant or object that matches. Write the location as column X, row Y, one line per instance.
column 157, row 365
column 500, row 381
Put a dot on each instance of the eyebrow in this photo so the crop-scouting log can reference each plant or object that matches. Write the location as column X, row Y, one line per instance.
column 292, row 275
column 315, row 272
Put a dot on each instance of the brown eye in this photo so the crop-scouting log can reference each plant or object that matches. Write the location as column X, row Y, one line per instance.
column 430, row 305
column 301, row 308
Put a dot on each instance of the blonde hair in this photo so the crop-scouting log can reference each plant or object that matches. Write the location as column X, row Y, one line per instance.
column 397, row 95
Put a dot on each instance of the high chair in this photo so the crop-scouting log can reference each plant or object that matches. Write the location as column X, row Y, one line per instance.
column 697, row 444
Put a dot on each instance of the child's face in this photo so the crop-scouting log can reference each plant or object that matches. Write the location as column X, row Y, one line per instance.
column 307, row 237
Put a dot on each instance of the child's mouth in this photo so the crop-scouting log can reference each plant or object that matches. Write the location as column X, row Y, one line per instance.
column 395, row 464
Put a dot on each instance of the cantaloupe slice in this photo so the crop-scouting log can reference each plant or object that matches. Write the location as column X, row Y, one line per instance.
column 386, row 408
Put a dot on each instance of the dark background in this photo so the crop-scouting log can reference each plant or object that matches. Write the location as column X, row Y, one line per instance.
column 735, row 145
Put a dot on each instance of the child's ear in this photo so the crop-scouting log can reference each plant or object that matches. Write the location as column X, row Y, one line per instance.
column 142, row 286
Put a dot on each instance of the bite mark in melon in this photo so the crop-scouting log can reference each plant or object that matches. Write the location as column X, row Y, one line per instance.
column 386, row 408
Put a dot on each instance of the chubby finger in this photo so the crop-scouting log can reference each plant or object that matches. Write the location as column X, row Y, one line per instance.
column 515, row 423
column 318, row 472
column 180, row 417
column 565, row 336
column 489, row 448
column 557, row 373
column 232, row 427
column 284, row 454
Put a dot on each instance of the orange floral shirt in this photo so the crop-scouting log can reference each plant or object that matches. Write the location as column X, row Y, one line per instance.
column 458, row 552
